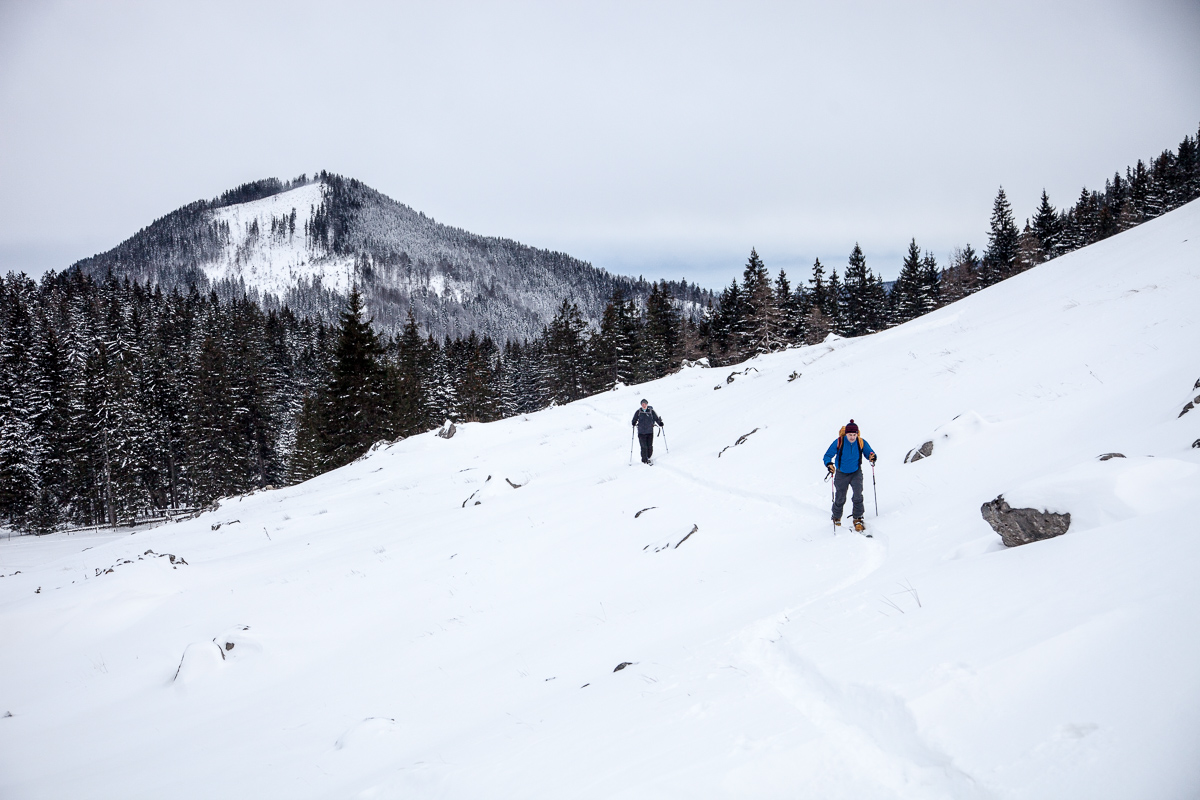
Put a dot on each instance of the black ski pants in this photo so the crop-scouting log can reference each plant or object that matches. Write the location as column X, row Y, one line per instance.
column 647, row 442
column 843, row 481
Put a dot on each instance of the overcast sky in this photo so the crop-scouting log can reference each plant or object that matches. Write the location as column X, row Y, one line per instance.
column 657, row 139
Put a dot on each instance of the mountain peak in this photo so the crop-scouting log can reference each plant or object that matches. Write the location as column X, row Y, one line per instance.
column 304, row 242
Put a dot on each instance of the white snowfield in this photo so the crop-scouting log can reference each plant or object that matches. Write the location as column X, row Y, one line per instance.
column 414, row 626
column 273, row 263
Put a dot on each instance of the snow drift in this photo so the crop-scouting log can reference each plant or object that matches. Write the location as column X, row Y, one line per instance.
column 392, row 639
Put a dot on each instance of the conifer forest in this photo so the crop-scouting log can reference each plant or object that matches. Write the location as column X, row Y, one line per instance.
column 124, row 397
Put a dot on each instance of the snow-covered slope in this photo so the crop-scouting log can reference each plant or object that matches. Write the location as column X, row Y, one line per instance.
column 274, row 262
column 415, row 625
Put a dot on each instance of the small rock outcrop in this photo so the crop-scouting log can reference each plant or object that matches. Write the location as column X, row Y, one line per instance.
column 1108, row 456
column 1018, row 526
column 448, row 430
column 917, row 453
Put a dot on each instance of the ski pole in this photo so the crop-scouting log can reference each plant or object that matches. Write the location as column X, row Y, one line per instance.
column 663, row 431
column 631, row 447
column 873, row 489
column 832, row 496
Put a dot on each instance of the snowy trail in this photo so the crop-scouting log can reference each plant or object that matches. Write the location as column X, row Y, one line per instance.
column 445, row 618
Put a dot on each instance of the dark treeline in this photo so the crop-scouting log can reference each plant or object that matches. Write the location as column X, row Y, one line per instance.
column 119, row 400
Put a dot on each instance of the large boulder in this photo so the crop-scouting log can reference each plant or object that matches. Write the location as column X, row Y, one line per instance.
column 1023, row 525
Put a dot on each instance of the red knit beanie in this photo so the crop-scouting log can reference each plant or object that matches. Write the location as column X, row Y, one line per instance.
column 851, row 428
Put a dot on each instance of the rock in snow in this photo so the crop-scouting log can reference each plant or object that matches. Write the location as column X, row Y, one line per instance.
column 1018, row 526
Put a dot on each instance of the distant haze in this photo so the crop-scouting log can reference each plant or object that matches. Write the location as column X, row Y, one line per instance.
column 655, row 139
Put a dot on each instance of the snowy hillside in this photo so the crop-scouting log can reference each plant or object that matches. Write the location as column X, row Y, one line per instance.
column 447, row 617
column 274, row 262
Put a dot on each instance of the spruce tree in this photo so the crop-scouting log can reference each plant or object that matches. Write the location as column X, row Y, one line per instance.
column 354, row 415
column 409, row 400
column 906, row 300
column 565, row 350
column 663, row 329
column 757, row 331
column 865, row 297
column 1000, row 258
column 836, row 305
column 1047, row 226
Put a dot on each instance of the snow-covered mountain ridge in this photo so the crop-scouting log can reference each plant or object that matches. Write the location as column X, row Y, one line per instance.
column 304, row 242
column 444, row 618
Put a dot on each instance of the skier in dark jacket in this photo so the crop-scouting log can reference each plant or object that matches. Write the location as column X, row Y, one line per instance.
column 843, row 459
column 645, row 419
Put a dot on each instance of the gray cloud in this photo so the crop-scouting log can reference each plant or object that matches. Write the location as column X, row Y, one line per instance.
column 649, row 138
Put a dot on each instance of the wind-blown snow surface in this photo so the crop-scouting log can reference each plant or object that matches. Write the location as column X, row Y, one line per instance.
column 407, row 627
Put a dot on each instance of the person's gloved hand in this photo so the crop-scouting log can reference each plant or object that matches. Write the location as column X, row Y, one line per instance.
column 871, row 458
column 830, row 468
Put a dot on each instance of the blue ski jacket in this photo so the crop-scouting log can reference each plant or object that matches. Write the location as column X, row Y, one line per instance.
column 852, row 455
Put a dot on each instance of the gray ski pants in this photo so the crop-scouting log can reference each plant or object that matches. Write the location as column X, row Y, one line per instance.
column 843, row 481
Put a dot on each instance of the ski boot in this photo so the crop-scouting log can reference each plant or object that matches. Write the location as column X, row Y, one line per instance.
column 837, row 523
column 858, row 525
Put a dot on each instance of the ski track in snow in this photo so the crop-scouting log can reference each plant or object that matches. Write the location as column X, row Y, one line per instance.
column 444, row 618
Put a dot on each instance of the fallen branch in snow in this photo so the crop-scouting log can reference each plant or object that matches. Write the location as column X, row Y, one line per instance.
column 621, row 666
column 745, row 371
column 684, row 539
column 217, row 526
column 514, row 485
column 741, row 439
column 643, row 511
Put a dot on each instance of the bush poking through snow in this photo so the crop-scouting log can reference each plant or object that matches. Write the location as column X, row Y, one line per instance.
column 1018, row 526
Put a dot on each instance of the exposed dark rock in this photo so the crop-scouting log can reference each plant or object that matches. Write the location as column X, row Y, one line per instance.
column 1018, row 526
column 1107, row 456
column 643, row 511
column 623, row 665
column 917, row 453
column 448, row 430
column 1196, row 444
column 514, row 485
column 793, row 376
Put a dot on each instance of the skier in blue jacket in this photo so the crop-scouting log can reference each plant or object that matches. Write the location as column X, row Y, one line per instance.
column 843, row 459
